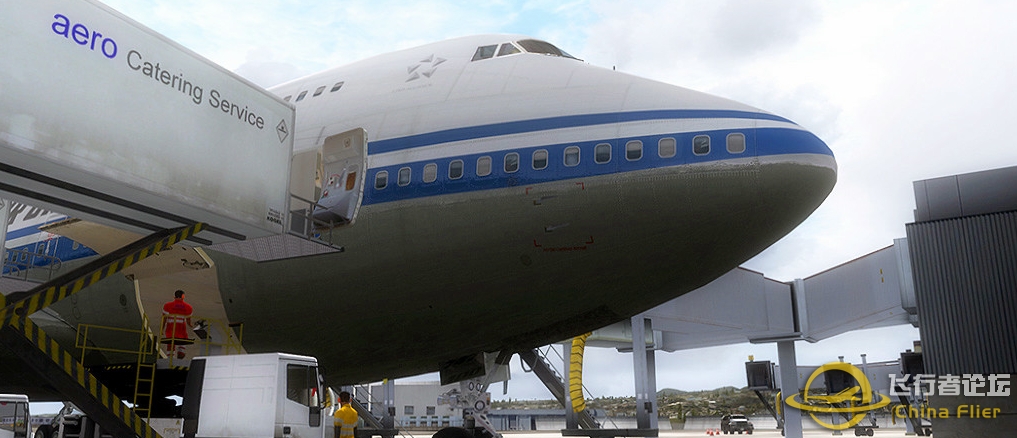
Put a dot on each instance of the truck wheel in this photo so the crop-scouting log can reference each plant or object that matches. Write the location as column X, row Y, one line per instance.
column 452, row 432
column 44, row 431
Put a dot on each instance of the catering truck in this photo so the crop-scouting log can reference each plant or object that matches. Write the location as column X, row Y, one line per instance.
column 254, row 395
column 236, row 396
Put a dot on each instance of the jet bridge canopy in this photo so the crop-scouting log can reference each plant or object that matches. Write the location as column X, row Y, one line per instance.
column 109, row 121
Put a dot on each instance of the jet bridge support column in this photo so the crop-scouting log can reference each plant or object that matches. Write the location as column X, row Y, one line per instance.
column 789, row 387
column 646, row 379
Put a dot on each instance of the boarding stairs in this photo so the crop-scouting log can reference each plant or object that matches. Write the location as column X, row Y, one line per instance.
column 59, row 367
column 542, row 368
column 385, row 427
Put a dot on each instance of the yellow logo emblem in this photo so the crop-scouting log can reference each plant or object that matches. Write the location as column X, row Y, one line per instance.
column 855, row 400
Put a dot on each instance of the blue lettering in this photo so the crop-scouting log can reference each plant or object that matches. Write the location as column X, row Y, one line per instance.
column 80, row 34
column 109, row 48
column 62, row 24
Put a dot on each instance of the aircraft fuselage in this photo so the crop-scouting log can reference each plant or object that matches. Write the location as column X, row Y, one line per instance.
column 516, row 200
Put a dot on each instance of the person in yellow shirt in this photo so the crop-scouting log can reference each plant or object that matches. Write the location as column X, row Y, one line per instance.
column 345, row 417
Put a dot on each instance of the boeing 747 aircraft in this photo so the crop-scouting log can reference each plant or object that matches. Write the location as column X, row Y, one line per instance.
column 492, row 193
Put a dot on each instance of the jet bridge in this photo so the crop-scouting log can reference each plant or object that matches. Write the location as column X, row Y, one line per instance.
column 875, row 290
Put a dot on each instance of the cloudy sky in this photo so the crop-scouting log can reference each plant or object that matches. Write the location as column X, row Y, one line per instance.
column 900, row 90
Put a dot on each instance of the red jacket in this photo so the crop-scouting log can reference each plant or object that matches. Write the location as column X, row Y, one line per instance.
column 177, row 314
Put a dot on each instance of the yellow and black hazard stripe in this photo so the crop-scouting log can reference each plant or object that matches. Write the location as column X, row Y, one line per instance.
column 15, row 315
column 99, row 392
column 105, row 266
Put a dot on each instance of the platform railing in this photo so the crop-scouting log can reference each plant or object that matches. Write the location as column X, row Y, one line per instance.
column 21, row 263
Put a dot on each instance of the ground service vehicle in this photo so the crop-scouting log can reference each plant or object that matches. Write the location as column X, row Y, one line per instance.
column 732, row 423
column 14, row 418
column 270, row 394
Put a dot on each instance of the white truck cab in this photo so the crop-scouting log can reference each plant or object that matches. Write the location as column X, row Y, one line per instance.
column 14, row 417
column 250, row 394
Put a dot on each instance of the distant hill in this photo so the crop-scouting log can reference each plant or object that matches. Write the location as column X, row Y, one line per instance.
column 672, row 403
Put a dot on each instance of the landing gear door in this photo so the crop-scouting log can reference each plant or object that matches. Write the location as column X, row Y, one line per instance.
column 344, row 163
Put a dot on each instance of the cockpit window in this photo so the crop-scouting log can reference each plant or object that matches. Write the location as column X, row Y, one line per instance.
column 521, row 46
column 508, row 49
column 537, row 46
column 484, row 52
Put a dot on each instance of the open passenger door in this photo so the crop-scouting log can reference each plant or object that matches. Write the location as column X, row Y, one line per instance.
column 344, row 163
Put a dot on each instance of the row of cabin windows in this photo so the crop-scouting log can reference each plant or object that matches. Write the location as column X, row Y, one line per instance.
column 317, row 92
column 666, row 148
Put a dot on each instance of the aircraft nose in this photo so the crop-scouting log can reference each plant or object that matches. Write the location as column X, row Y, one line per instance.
column 797, row 170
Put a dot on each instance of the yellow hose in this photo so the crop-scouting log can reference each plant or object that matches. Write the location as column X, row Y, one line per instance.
column 576, row 372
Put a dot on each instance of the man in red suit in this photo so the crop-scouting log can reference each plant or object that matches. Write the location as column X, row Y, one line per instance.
column 176, row 319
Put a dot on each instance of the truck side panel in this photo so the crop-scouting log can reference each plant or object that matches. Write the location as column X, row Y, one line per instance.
column 238, row 396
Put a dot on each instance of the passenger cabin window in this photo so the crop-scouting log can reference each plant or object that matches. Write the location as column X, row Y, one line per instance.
column 736, row 143
column 508, row 49
column 430, row 173
column 484, row 52
column 634, row 150
column 602, row 153
column 539, row 159
column 318, row 92
column 701, row 144
column 483, row 166
column 301, row 95
column 381, row 180
column 455, row 169
column 667, row 147
column 511, row 162
column 404, row 176
column 572, row 156
column 336, row 87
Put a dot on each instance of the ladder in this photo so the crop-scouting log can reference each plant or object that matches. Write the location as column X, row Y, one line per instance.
column 144, row 381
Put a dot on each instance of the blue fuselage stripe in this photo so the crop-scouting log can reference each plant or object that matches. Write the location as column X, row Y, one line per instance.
column 758, row 142
column 31, row 255
column 549, row 123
